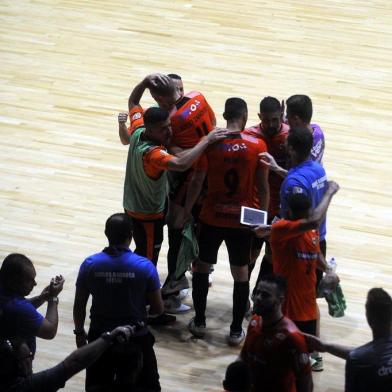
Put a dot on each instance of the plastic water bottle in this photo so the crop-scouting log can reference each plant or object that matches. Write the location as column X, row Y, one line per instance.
column 332, row 264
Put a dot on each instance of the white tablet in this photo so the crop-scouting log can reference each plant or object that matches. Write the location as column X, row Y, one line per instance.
column 253, row 217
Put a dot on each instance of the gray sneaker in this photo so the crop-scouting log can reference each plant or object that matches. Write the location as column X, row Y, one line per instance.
column 173, row 286
column 173, row 305
column 197, row 330
column 317, row 364
column 235, row 338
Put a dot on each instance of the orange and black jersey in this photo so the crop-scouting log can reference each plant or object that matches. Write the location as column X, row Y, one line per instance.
column 231, row 166
column 192, row 120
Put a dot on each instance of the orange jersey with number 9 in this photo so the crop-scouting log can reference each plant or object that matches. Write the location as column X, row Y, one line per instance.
column 231, row 167
column 192, row 120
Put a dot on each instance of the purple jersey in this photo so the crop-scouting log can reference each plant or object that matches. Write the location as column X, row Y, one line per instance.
column 318, row 144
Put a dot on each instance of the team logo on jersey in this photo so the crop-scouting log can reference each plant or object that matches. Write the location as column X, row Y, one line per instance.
column 253, row 323
column 136, row 116
column 280, row 336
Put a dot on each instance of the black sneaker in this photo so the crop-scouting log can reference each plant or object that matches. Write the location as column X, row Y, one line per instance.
column 162, row 319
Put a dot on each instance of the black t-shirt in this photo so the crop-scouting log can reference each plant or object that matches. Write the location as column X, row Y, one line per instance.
column 369, row 367
column 50, row 380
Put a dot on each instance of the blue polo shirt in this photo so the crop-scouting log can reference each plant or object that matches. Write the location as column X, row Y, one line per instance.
column 308, row 178
column 118, row 281
column 19, row 319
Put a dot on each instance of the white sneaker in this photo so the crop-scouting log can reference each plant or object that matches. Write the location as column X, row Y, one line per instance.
column 196, row 330
column 183, row 294
column 235, row 338
column 172, row 286
column 173, row 305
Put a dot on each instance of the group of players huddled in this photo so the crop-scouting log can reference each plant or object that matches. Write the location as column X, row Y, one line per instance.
column 181, row 167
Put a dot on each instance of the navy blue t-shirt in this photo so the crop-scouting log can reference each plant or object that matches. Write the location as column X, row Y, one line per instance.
column 369, row 367
column 19, row 319
column 308, row 178
column 118, row 281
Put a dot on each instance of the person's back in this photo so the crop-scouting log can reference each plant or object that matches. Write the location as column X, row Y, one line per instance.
column 370, row 367
column 192, row 120
column 294, row 256
column 305, row 176
column 232, row 166
column 118, row 281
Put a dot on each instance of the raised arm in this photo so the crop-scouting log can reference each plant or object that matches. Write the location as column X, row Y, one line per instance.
column 150, row 81
column 48, row 328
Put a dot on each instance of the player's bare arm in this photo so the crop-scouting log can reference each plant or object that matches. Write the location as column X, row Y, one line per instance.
column 190, row 156
column 269, row 161
column 315, row 344
column 193, row 192
column 150, row 81
column 263, row 186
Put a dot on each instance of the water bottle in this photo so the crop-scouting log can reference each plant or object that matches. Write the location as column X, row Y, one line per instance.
column 332, row 264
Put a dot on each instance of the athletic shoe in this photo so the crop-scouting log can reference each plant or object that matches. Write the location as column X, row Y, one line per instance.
column 196, row 330
column 173, row 305
column 183, row 294
column 235, row 338
column 317, row 364
column 162, row 319
column 172, row 286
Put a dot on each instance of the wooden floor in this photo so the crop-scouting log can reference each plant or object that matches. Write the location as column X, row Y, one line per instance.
column 67, row 68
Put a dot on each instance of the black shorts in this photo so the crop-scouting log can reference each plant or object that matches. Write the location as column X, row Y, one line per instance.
column 178, row 188
column 178, row 185
column 148, row 237
column 238, row 243
column 308, row 326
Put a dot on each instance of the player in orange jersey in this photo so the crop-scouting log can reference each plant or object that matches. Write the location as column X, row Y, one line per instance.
column 296, row 255
column 274, row 348
column 233, row 173
column 274, row 133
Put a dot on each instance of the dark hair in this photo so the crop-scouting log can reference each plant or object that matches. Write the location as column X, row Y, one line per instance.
column 13, row 267
column 301, row 139
column 166, row 89
column 155, row 115
column 270, row 105
column 379, row 306
column 237, row 378
column 174, row 76
column 234, row 108
column 279, row 280
column 299, row 204
column 301, row 106
column 118, row 228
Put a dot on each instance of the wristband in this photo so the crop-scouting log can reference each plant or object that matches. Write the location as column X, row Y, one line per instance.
column 54, row 300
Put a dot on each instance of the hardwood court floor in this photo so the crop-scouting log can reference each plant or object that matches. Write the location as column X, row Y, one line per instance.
column 67, row 68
